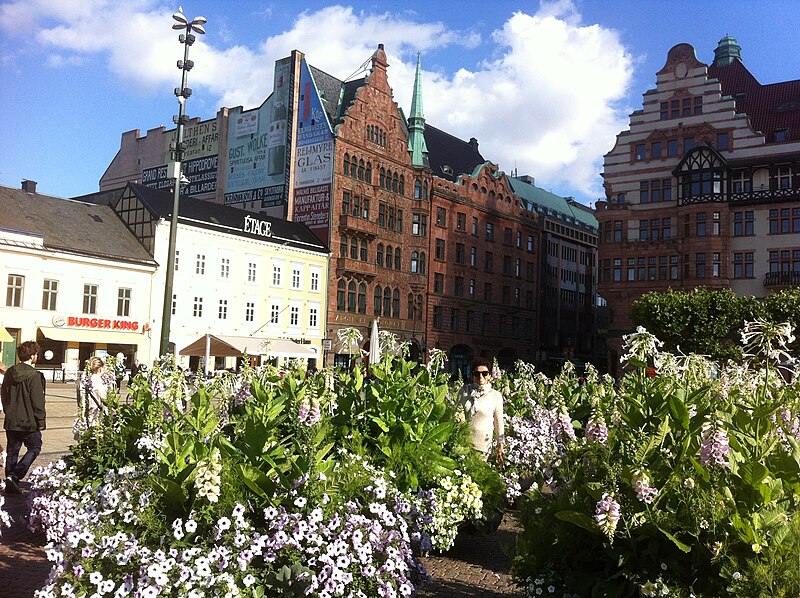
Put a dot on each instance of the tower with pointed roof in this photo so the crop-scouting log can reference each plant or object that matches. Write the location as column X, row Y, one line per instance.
column 416, row 124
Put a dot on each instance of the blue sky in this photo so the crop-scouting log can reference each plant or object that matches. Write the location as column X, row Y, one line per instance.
column 544, row 87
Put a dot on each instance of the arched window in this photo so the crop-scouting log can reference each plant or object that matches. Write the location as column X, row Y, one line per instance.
column 343, row 246
column 354, row 167
column 422, row 262
column 387, row 302
column 394, row 182
column 354, row 248
column 383, row 178
column 368, row 173
column 411, row 306
column 425, row 190
column 362, row 298
column 397, row 260
column 346, row 163
column 389, row 256
column 363, row 250
column 414, row 263
column 361, row 170
column 351, row 296
column 378, row 298
column 379, row 259
column 340, row 295
column 396, row 303
column 419, row 307
column 402, row 188
column 417, row 189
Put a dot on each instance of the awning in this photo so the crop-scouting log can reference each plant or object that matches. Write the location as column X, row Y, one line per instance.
column 80, row 335
column 5, row 337
column 234, row 346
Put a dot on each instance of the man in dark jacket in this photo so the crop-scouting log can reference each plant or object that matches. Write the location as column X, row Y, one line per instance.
column 22, row 394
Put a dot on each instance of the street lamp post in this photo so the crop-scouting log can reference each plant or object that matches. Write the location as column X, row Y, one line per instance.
column 182, row 92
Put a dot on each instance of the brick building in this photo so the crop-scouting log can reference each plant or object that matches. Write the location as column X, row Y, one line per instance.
column 704, row 188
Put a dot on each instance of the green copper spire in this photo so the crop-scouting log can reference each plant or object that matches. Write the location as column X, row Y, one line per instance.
column 727, row 51
column 416, row 124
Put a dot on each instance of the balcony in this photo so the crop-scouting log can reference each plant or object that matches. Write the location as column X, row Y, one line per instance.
column 346, row 265
column 356, row 224
column 782, row 279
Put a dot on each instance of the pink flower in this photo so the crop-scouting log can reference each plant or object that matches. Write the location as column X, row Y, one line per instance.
column 607, row 515
column 596, row 429
column 715, row 446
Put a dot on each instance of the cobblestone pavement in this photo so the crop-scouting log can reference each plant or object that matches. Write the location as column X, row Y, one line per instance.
column 477, row 566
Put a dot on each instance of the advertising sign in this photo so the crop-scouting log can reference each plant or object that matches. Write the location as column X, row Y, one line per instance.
column 200, row 139
column 201, row 172
column 257, row 147
column 313, row 167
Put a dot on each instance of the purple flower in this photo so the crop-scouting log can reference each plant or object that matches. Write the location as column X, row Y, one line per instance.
column 715, row 446
column 607, row 515
column 596, row 429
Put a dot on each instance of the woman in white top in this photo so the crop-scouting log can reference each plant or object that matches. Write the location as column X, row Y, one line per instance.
column 93, row 389
column 483, row 407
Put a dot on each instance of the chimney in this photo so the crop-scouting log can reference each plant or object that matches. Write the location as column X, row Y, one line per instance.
column 473, row 143
column 29, row 186
column 526, row 178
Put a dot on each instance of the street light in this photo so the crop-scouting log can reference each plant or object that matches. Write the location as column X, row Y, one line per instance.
column 177, row 149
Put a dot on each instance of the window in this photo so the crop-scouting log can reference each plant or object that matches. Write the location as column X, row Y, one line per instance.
column 439, row 250
column 784, row 260
column 460, row 254
column 700, row 265
column 200, row 264
column 276, row 275
column 50, row 294
column 177, row 259
column 529, row 271
column 639, row 152
column 382, row 215
column 506, row 298
column 489, row 231
column 419, row 225
column 123, row 302
column 437, row 317
column 470, row 321
column 417, row 189
column 473, row 257
column 716, row 266
column 414, row 262
column 700, row 224
column 474, row 226
column 508, row 236
column 399, row 221
column 379, row 255
column 688, row 143
column 90, row 298
column 389, row 256
column 655, row 149
column 507, row 265
column 455, row 319
column 461, row 221
column 362, row 255
column 274, row 313
column 458, row 286
column 441, row 217
column 365, row 208
column 438, row 282
column 472, row 288
column 488, row 262
column 487, row 291
column 672, row 147
column 250, row 311
column 743, row 224
column 396, row 303
column 617, row 269
column 782, row 177
column 343, row 246
column 251, row 271
column 174, row 304
column 313, row 317
column 644, row 192
column 743, row 265
column 197, row 307
column 530, row 244
column 351, row 296
column 295, row 278
column 353, row 248
column 294, row 316
column 740, row 181
column 362, row 298
column 225, row 267
column 784, row 221
column 518, row 268
column 722, row 141
column 390, row 219
column 376, row 300
column 397, row 260
column 314, row 281
column 715, row 224
column 222, row 312
column 781, row 135
column 340, row 295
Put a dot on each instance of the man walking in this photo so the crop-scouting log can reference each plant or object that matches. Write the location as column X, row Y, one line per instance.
column 22, row 396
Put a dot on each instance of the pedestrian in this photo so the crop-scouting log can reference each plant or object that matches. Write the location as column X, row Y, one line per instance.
column 23, row 392
column 135, row 369
column 93, row 386
column 119, row 369
column 483, row 407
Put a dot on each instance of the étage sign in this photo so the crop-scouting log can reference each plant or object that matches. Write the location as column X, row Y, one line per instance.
column 257, row 227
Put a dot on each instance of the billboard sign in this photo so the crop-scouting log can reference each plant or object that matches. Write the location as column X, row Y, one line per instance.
column 200, row 139
column 201, row 172
column 313, row 166
column 257, row 147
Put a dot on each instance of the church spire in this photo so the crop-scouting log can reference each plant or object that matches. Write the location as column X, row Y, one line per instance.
column 416, row 124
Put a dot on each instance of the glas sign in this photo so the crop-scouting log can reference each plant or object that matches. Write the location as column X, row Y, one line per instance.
column 257, row 227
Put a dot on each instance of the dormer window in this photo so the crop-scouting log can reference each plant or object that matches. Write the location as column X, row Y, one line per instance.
column 447, row 169
column 781, row 135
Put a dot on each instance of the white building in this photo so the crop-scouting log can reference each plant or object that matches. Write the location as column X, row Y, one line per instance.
column 76, row 281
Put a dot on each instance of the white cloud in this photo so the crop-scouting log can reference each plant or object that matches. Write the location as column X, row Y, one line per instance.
column 545, row 101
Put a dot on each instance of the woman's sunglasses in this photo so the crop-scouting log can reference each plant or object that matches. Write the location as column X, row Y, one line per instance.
column 482, row 373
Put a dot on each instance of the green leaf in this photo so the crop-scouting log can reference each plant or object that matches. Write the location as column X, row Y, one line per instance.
column 582, row 520
column 379, row 422
column 681, row 546
column 678, row 411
